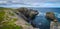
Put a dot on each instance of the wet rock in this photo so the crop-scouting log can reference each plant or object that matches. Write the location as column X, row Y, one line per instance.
column 50, row 16
column 53, row 21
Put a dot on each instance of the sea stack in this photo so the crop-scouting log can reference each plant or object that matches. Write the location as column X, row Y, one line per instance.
column 51, row 17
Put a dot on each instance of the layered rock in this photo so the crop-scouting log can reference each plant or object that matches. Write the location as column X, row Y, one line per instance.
column 30, row 14
column 10, row 20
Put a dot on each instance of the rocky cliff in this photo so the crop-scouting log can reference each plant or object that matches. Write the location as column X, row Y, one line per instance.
column 10, row 20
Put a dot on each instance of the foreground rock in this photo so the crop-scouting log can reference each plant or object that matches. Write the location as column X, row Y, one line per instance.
column 10, row 20
column 30, row 14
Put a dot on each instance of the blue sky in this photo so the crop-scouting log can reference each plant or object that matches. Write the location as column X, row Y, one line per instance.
column 29, row 3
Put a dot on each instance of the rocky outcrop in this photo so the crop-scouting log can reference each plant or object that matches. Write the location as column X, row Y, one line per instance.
column 10, row 20
column 51, row 16
column 30, row 14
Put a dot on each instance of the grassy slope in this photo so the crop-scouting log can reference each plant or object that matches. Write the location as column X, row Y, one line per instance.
column 7, row 24
column 8, row 19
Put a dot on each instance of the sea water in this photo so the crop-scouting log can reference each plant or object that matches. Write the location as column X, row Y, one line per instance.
column 40, row 20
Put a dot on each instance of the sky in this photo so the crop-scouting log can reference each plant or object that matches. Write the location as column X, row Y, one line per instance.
column 29, row 3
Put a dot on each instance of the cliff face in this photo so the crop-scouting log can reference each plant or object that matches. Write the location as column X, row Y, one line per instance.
column 51, row 16
column 10, row 20
column 54, row 22
column 28, row 14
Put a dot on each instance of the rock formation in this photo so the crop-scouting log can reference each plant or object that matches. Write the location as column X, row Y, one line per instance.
column 51, row 17
column 10, row 20
column 30, row 14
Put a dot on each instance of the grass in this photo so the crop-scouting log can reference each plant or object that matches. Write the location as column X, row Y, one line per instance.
column 2, row 13
column 8, row 24
column 10, row 27
column 3, row 8
column 28, row 24
column 11, row 14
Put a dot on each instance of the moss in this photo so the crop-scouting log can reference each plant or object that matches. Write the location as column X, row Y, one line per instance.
column 3, row 8
column 11, row 14
column 2, row 13
column 10, row 23
column 11, row 27
column 28, row 24
column 15, row 19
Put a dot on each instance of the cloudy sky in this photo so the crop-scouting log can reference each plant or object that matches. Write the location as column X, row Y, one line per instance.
column 29, row 3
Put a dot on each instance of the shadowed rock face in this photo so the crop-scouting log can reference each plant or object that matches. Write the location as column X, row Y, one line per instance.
column 29, row 13
column 51, row 16
column 52, row 19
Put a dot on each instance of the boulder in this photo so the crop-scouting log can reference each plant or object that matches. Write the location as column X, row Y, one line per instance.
column 50, row 16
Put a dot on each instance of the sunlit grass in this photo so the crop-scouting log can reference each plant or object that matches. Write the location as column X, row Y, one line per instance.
column 10, row 27
column 2, row 13
column 10, row 23
column 28, row 24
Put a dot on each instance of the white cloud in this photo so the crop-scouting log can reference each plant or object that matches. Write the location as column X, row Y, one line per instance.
column 41, row 1
column 32, row 3
column 1, row 2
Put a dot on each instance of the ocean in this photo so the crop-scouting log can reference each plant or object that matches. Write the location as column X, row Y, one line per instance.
column 40, row 20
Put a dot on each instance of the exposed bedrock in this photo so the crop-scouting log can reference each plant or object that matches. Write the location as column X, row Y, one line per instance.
column 30, row 14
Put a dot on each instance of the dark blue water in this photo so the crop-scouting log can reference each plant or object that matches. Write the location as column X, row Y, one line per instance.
column 40, row 20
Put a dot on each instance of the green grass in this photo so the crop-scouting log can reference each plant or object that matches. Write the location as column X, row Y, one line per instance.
column 3, row 8
column 11, row 14
column 8, row 24
column 11, row 22
column 28, row 24
column 2, row 13
column 10, row 27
